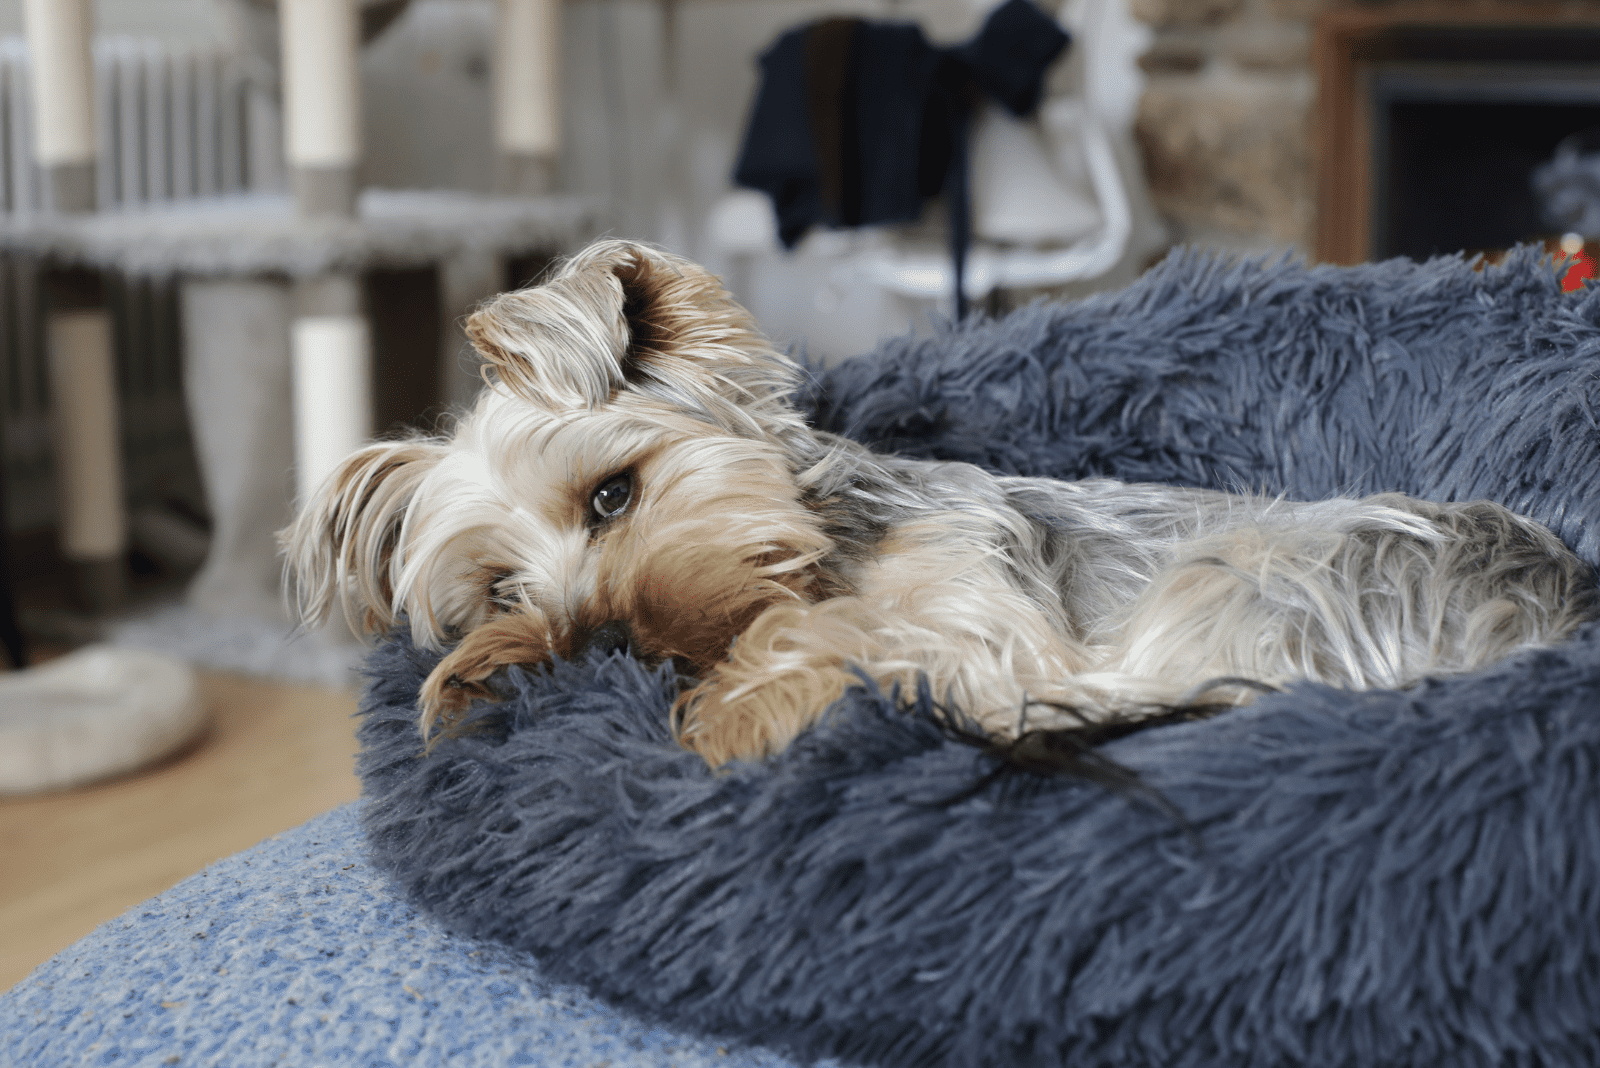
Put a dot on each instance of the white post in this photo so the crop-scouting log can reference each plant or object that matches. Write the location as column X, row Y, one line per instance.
column 329, row 341
column 527, row 95
column 63, row 99
column 332, row 378
column 322, row 102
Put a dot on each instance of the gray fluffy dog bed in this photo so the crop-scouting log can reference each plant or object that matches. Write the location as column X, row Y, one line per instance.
column 1372, row 879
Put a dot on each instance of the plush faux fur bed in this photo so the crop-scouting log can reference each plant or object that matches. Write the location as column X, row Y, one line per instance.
column 1373, row 879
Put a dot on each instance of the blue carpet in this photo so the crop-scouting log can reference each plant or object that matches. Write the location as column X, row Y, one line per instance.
column 297, row 953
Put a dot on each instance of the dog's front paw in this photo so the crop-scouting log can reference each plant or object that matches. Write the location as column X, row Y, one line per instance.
column 727, row 717
column 461, row 677
column 445, row 697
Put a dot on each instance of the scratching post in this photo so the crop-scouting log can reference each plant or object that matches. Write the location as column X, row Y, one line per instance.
column 94, row 533
column 329, row 339
column 332, row 377
column 78, row 327
column 527, row 98
column 322, row 102
column 63, row 100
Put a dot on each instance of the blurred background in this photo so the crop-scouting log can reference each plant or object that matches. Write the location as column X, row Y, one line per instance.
column 238, row 237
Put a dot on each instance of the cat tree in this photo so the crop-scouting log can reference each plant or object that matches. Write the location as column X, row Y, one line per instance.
column 276, row 343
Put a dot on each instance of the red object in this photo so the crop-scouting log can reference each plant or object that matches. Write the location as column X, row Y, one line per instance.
column 1583, row 266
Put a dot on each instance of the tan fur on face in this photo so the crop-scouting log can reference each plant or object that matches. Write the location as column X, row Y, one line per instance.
column 689, row 585
column 704, row 553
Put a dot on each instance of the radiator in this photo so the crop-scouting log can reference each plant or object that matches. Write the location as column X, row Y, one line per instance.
column 172, row 125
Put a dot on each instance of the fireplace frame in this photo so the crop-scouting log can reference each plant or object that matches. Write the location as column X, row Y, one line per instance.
column 1348, row 40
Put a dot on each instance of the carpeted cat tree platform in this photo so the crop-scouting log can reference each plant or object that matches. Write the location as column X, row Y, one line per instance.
column 1365, row 879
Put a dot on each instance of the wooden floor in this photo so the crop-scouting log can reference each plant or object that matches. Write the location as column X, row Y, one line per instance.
column 275, row 756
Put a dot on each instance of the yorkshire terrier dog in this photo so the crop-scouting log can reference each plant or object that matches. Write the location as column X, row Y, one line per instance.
column 635, row 477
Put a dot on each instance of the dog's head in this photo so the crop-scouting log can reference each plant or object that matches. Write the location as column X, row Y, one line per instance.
column 625, row 477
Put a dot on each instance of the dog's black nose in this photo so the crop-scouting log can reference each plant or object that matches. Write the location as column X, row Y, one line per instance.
column 609, row 637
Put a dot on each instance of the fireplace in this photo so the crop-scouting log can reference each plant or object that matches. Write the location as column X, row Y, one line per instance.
column 1432, row 117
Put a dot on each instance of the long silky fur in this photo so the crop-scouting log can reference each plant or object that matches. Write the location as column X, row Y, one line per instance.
column 772, row 562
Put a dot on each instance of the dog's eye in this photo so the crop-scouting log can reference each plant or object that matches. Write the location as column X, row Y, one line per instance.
column 613, row 497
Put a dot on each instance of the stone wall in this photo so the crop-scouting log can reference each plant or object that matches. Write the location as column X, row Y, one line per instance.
column 1225, row 123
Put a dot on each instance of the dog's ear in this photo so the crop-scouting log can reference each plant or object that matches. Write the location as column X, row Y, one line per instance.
column 340, row 550
column 623, row 317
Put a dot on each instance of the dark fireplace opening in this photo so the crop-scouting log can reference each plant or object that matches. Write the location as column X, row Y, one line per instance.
column 1460, row 118
column 1455, row 175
